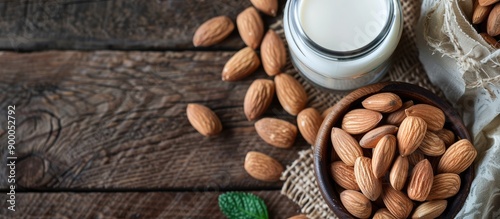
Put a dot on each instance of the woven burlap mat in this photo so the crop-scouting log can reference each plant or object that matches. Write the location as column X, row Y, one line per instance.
column 300, row 183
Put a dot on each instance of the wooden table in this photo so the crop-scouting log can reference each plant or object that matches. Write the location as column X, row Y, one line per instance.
column 100, row 90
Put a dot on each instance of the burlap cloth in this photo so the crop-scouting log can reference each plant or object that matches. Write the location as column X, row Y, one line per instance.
column 300, row 183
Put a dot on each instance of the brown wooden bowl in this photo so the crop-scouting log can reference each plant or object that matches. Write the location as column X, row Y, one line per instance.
column 323, row 147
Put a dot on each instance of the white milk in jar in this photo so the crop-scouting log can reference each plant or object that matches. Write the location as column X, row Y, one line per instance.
column 342, row 44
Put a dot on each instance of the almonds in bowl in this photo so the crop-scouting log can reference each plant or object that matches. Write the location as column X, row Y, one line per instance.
column 411, row 158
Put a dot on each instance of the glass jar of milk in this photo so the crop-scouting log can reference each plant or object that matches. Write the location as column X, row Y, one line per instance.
column 342, row 44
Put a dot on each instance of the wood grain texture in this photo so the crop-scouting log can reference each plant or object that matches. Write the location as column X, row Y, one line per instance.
column 113, row 24
column 112, row 120
column 135, row 205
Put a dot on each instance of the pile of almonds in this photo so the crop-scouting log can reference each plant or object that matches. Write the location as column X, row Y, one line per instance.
column 291, row 94
column 486, row 17
column 395, row 158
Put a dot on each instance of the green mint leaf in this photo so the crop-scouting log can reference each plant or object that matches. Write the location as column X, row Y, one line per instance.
column 239, row 205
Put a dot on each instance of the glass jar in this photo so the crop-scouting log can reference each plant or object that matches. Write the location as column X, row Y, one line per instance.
column 342, row 44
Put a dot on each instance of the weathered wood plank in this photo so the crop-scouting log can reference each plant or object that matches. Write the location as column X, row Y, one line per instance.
column 112, row 24
column 117, row 120
column 134, row 205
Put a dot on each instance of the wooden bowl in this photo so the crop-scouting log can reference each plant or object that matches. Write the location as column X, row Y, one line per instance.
column 323, row 147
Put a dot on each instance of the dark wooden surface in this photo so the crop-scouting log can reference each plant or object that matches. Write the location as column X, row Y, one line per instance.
column 100, row 89
column 113, row 24
column 135, row 205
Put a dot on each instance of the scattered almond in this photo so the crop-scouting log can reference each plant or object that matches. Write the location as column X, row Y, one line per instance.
column 262, row 167
column 397, row 202
column 370, row 139
column 410, row 134
column 346, row 147
column 383, row 102
column 369, row 185
column 359, row 121
column 343, row 175
column 276, row 132
column 433, row 116
column 383, row 154
column 399, row 172
column 430, row 210
column 420, row 181
column 203, row 119
column 258, row 98
column 309, row 120
column 291, row 95
column 458, row 157
column 213, row 31
column 326, row 112
column 300, row 216
column 383, row 213
column 251, row 27
column 356, row 203
column 445, row 185
column 396, row 117
column 273, row 53
column 432, row 145
column 269, row 7
column 242, row 64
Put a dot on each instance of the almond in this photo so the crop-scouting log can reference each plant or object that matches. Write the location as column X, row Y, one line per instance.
column 263, row 167
column 410, row 134
column 343, row 175
column 309, row 120
column 420, row 181
column 273, row 53
column 490, row 40
column 276, row 132
column 370, row 139
column 251, row 27
column 396, row 117
column 300, row 216
column 383, row 154
column 269, row 7
column 359, row 121
column 458, row 157
column 346, row 147
column 415, row 157
column 291, row 94
column 432, row 145
column 399, row 172
column 326, row 112
column 397, row 202
column 356, row 203
column 203, row 119
column 480, row 13
column 433, row 116
column 258, row 98
column 383, row 102
column 383, row 213
column 213, row 31
column 369, row 185
column 445, row 185
column 447, row 136
column 487, row 2
column 242, row 64
column 430, row 210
